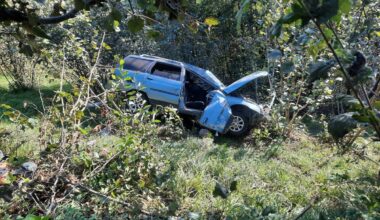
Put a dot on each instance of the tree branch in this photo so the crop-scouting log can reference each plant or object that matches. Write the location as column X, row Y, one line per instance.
column 13, row 15
column 57, row 19
column 7, row 14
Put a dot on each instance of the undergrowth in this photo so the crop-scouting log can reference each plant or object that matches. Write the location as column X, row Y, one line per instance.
column 136, row 167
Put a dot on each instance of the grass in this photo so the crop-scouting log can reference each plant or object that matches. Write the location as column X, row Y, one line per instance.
column 278, row 187
column 29, row 101
column 284, row 184
column 271, row 179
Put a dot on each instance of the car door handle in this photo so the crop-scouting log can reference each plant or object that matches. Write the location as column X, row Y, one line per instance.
column 149, row 78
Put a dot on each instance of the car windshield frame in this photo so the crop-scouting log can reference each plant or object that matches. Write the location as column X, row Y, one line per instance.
column 206, row 75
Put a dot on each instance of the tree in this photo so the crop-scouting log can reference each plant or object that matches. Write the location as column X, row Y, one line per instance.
column 23, row 13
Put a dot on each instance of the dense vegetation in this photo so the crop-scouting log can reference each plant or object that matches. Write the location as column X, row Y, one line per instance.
column 62, row 157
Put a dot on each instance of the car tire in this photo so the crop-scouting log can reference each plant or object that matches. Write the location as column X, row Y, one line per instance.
column 240, row 125
column 135, row 102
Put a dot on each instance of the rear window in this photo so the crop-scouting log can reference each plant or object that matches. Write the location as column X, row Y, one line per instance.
column 136, row 64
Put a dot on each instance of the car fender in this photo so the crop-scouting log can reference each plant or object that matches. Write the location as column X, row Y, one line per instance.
column 237, row 101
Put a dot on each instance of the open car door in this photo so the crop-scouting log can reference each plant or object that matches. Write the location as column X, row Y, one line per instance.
column 217, row 115
column 183, row 109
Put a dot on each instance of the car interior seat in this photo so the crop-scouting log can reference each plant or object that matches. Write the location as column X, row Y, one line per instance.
column 195, row 95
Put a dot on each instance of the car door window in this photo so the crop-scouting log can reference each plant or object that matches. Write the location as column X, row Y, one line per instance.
column 136, row 64
column 167, row 71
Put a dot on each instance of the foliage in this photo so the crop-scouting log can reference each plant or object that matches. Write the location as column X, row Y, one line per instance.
column 322, row 13
column 18, row 65
column 96, row 160
column 341, row 125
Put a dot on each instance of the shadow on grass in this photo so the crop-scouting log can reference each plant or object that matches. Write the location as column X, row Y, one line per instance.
column 229, row 141
column 29, row 101
column 359, row 201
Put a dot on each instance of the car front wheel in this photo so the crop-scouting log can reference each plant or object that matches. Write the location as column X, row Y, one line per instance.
column 136, row 102
column 240, row 123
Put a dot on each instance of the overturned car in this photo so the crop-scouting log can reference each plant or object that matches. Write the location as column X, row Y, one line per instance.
column 197, row 93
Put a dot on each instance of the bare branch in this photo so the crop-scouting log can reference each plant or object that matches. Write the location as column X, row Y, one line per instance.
column 10, row 14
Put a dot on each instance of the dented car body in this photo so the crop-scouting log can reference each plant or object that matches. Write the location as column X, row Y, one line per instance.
column 197, row 93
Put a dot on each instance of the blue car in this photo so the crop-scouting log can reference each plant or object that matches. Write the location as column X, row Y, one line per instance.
column 197, row 93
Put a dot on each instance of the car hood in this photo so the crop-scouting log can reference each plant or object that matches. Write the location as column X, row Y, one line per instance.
column 243, row 81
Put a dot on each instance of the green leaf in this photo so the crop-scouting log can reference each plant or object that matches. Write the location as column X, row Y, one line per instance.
column 79, row 51
column 287, row 67
column 11, row 115
column 328, row 10
column 289, row 18
column 116, row 14
column 313, row 9
column 34, row 217
column 363, row 76
column 79, row 115
column 365, row 115
column 153, row 34
column 27, row 50
column 243, row 8
column 376, row 105
column 37, row 31
column 33, row 19
column 300, row 13
column 106, row 46
column 329, row 33
column 211, row 21
column 361, row 118
column 340, row 125
column 275, row 30
column 320, row 70
column 135, row 24
column 345, row 6
column 348, row 101
column 313, row 50
column 108, row 23
column 344, row 55
column 82, row 131
column 116, row 25
column 5, row 106
column 79, row 4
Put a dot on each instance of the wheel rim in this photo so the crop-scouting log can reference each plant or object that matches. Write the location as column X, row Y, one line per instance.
column 138, row 102
column 237, row 124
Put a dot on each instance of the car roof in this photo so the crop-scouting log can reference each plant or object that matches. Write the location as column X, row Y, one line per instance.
column 156, row 58
column 203, row 73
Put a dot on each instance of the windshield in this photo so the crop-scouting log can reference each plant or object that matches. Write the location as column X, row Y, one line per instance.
column 213, row 78
column 206, row 74
column 258, row 90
